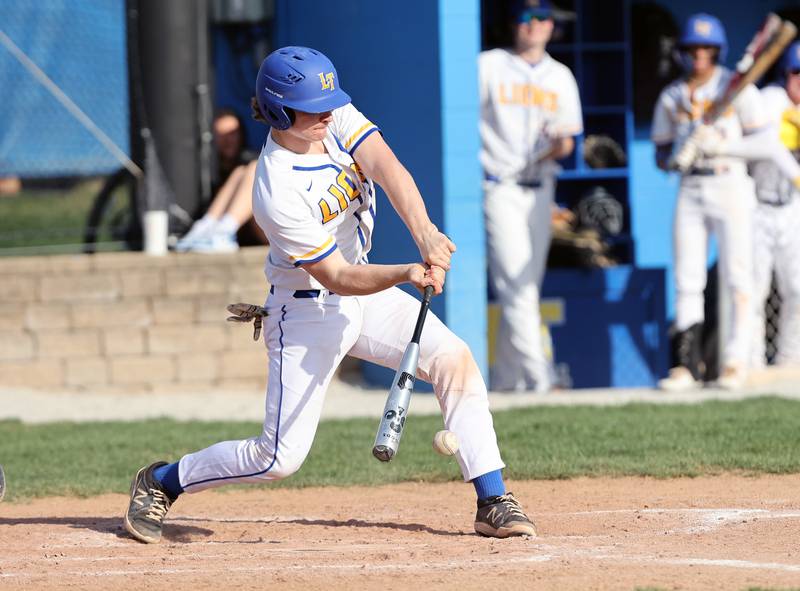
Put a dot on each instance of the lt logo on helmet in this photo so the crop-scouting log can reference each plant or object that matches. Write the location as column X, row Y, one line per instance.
column 702, row 28
column 326, row 80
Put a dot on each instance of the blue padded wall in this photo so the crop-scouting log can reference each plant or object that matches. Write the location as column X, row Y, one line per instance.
column 412, row 71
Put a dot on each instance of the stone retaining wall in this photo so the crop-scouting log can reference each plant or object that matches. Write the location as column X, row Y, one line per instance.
column 130, row 322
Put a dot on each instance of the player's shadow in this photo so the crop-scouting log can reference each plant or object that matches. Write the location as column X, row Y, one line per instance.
column 418, row 527
column 112, row 526
column 337, row 523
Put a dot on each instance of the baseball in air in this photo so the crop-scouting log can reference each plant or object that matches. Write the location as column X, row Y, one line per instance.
column 445, row 443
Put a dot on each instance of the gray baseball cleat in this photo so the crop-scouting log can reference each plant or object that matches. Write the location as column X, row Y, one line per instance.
column 148, row 506
column 2, row 483
column 502, row 517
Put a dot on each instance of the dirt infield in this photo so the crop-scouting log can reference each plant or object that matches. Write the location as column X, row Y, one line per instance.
column 726, row 532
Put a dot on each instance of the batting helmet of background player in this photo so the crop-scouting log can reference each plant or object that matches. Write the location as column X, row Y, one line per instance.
column 702, row 29
column 297, row 79
column 791, row 59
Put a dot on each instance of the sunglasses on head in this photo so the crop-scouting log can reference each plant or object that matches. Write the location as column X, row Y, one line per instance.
column 535, row 14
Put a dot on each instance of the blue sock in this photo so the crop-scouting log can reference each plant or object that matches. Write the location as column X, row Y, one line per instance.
column 168, row 477
column 489, row 485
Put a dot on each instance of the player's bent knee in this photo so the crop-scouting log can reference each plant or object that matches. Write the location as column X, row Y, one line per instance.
column 279, row 465
column 283, row 468
column 280, row 468
column 453, row 368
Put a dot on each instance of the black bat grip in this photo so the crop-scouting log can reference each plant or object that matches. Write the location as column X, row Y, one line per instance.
column 423, row 311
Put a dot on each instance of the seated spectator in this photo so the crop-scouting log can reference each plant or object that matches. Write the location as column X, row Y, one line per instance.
column 231, row 209
column 10, row 185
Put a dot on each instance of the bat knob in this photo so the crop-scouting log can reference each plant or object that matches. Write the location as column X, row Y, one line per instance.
column 383, row 453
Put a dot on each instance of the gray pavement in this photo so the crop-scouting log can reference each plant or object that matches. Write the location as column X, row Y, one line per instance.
column 344, row 399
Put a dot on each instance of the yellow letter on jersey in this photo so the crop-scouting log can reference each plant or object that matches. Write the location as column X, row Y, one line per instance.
column 349, row 187
column 337, row 192
column 326, row 80
column 327, row 214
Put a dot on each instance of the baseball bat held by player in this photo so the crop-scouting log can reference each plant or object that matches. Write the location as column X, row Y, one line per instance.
column 393, row 419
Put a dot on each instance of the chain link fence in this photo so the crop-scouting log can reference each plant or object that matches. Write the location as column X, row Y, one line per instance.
column 64, row 125
column 80, row 48
column 772, row 315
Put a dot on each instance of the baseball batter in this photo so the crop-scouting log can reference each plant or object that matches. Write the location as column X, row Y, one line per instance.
column 716, row 196
column 314, row 198
column 530, row 111
column 777, row 218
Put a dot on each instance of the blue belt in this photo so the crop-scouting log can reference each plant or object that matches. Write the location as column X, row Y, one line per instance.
column 303, row 293
column 530, row 184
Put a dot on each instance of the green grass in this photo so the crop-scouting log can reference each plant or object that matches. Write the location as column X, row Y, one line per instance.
column 750, row 437
column 40, row 221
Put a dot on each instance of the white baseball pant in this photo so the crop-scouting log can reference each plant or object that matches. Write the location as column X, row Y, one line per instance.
column 777, row 247
column 518, row 239
column 721, row 204
column 306, row 340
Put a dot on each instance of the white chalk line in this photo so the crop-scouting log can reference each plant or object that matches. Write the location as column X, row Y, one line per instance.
column 360, row 567
column 435, row 566
column 689, row 511
column 247, row 519
column 340, row 548
column 711, row 518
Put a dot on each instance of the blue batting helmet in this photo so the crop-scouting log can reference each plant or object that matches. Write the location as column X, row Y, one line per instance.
column 705, row 29
column 791, row 59
column 297, row 78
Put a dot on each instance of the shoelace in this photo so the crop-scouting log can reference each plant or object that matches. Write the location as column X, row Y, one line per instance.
column 512, row 506
column 159, row 507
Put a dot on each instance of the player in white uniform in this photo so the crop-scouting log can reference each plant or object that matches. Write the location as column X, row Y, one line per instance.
column 716, row 196
column 530, row 111
column 314, row 199
column 777, row 219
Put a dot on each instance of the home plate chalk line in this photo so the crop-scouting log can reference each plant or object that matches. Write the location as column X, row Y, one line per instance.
column 702, row 521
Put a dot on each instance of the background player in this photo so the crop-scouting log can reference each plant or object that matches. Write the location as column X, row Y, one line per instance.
column 777, row 219
column 530, row 111
column 315, row 200
column 716, row 195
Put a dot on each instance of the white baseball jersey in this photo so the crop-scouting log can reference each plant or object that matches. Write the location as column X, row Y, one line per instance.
column 524, row 106
column 678, row 111
column 772, row 186
column 721, row 203
column 776, row 240
column 308, row 206
column 311, row 204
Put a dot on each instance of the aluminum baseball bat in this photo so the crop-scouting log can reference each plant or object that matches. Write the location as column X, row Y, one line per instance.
column 393, row 419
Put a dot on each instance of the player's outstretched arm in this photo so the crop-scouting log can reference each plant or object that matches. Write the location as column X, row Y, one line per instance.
column 340, row 277
column 761, row 144
column 378, row 162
